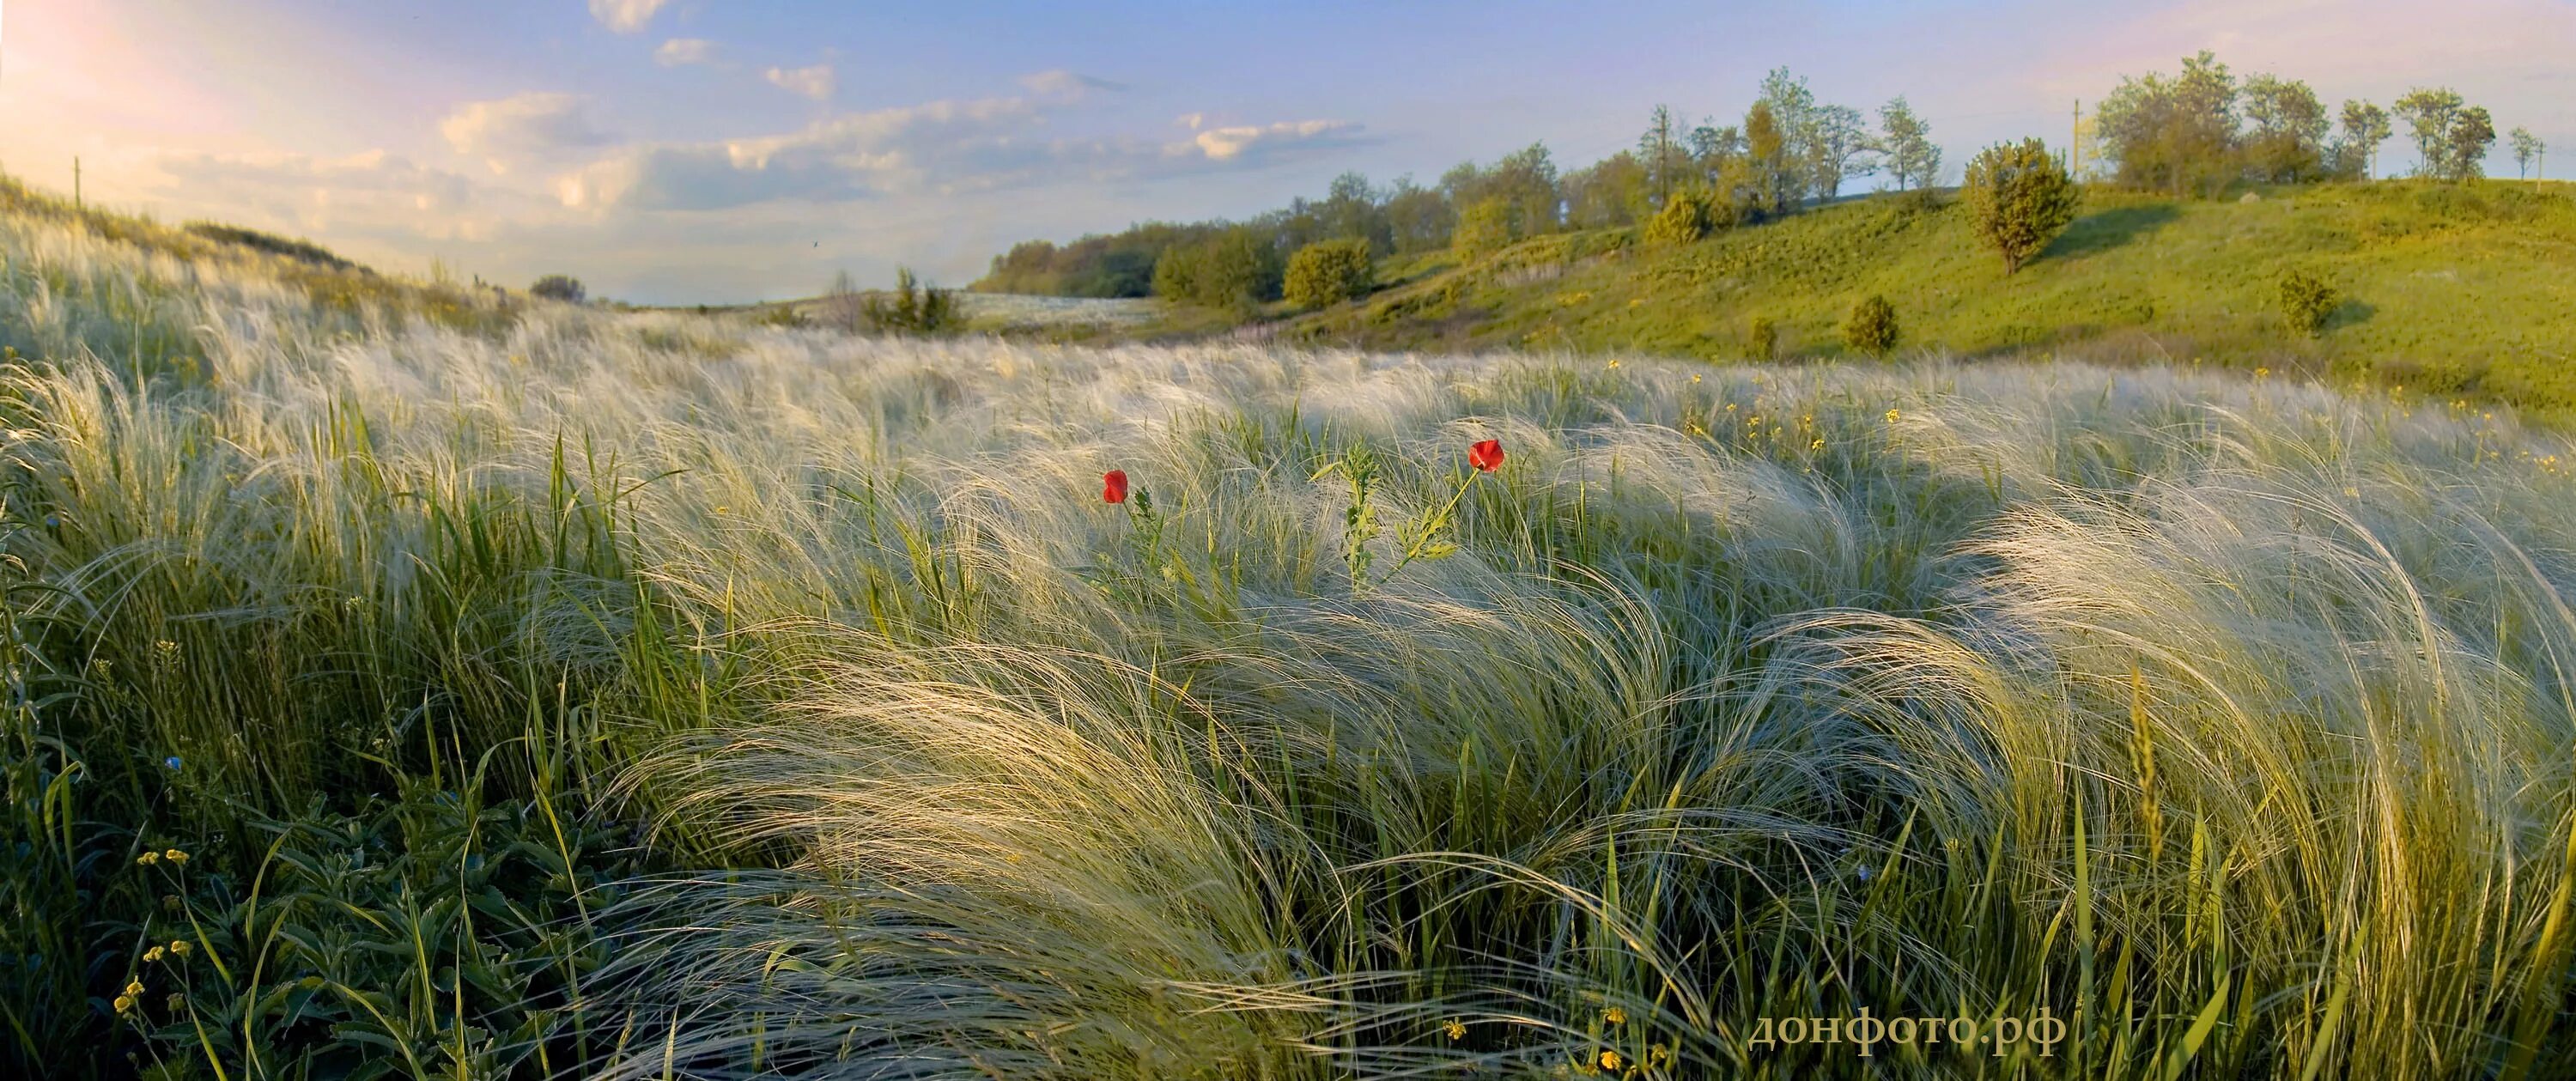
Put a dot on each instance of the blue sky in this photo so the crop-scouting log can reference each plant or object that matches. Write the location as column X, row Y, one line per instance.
column 721, row 150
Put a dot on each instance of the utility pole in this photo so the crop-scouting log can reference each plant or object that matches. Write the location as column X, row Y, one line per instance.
column 2075, row 144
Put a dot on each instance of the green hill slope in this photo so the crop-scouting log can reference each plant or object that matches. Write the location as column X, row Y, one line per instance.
column 2449, row 290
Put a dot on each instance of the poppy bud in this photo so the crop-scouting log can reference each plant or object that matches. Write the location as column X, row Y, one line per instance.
column 1486, row 456
column 1113, row 486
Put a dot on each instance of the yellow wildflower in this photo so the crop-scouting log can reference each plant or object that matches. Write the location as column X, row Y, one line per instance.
column 153, row 954
column 1817, row 445
column 1615, row 1015
column 1694, row 379
column 1609, row 1060
column 1456, row 1029
column 180, row 947
column 134, row 988
column 147, row 859
column 1892, row 415
column 176, row 856
column 124, row 1003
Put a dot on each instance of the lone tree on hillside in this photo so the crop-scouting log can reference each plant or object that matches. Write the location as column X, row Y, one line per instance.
column 2365, row 126
column 561, row 287
column 1907, row 142
column 2452, row 134
column 2020, row 198
column 2527, row 149
column 1328, row 272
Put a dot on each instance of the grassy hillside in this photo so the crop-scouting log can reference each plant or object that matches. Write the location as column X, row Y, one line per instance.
column 578, row 693
column 2450, row 290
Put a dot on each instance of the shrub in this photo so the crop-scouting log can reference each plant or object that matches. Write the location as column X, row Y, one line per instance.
column 1328, row 272
column 1871, row 327
column 2306, row 301
column 1684, row 219
column 912, row 308
column 1764, row 337
column 2020, row 198
column 561, row 287
column 1485, row 227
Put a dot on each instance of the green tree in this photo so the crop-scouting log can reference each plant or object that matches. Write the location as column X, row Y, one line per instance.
column 1766, row 178
column 1418, row 218
column 1907, row 142
column 1487, row 226
column 1328, row 272
column 2019, row 197
column 2527, row 149
column 2452, row 135
column 2175, row 135
column 1351, row 211
column 1610, row 193
column 2355, row 153
column 1871, row 326
column 2285, row 139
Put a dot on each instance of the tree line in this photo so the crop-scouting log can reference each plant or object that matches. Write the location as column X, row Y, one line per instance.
column 2197, row 133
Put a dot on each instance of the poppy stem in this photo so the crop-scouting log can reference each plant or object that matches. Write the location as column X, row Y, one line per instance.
column 1432, row 528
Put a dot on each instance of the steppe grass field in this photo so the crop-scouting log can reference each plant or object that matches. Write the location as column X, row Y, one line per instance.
column 530, row 691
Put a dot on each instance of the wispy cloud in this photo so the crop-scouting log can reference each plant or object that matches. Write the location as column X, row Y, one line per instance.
column 679, row 51
column 526, row 126
column 625, row 16
column 1062, row 83
column 943, row 147
column 814, row 82
column 1240, row 143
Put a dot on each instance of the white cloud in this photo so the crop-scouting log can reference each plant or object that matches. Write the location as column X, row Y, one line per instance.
column 1191, row 121
column 625, row 16
column 1236, row 143
column 678, row 51
column 525, row 126
column 814, row 82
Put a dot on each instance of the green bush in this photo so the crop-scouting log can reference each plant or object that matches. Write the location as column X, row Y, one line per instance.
column 2020, row 198
column 563, row 287
column 1328, row 272
column 1871, row 327
column 1764, row 338
column 1685, row 219
column 2306, row 301
column 912, row 308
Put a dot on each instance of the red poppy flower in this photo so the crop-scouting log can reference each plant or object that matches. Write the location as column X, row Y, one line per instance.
column 1113, row 486
column 1487, row 456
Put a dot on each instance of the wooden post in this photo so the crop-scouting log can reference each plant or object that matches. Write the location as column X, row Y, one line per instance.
column 76, row 194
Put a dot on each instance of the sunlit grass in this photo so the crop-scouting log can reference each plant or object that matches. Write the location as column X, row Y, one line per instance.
column 653, row 695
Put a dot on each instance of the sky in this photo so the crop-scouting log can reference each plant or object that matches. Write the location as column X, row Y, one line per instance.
column 720, row 151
